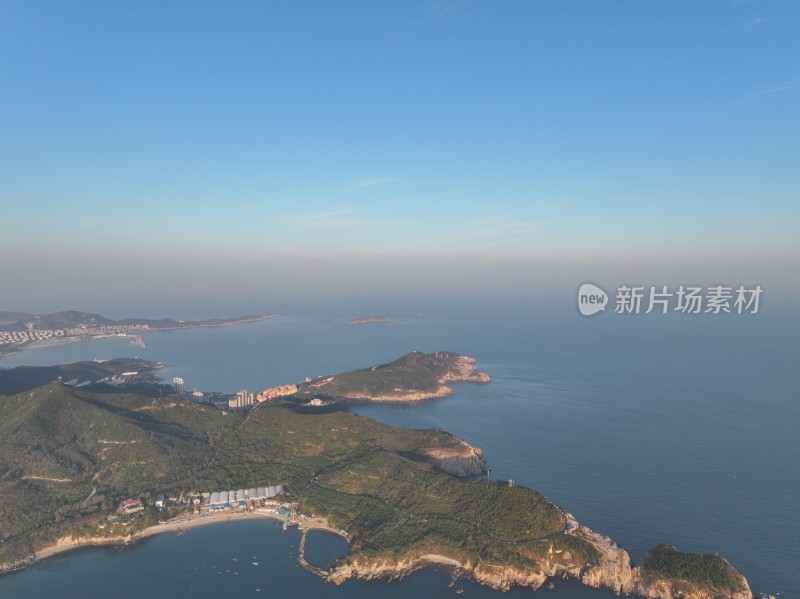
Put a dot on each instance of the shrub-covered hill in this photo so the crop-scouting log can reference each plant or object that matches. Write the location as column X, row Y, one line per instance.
column 412, row 377
column 69, row 456
column 58, row 443
column 58, row 320
column 23, row 378
column 687, row 571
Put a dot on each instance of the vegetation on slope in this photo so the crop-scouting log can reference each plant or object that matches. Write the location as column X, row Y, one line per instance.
column 69, row 456
column 25, row 378
column 415, row 372
column 707, row 570
column 57, row 443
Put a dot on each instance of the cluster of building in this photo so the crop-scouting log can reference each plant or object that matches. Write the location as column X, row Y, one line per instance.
column 274, row 392
column 263, row 500
column 243, row 498
column 117, row 380
column 180, row 389
column 242, row 399
column 257, row 497
column 19, row 337
column 131, row 506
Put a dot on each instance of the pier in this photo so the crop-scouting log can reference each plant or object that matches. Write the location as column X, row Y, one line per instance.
column 137, row 340
column 301, row 558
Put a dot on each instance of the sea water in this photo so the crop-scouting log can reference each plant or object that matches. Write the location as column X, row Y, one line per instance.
column 678, row 430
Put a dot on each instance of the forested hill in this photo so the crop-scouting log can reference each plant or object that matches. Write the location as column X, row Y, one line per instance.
column 23, row 378
column 412, row 377
column 70, row 456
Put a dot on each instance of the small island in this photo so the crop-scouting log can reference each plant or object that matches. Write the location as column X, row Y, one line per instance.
column 369, row 319
column 84, row 466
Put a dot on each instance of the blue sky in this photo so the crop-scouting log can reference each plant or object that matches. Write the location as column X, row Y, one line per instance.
column 527, row 133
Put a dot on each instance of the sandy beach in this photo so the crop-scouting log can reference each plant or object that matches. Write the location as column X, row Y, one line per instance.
column 180, row 523
column 54, row 341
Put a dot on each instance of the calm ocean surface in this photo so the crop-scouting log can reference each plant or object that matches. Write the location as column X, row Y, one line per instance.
column 673, row 429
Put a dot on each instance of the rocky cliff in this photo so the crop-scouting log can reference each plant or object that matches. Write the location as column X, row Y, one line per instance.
column 461, row 459
column 463, row 370
column 612, row 570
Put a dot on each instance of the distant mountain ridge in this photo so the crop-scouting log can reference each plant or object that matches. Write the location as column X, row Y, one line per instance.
column 11, row 317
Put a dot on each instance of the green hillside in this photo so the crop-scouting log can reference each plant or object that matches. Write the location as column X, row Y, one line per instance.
column 414, row 372
column 68, row 457
column 59, row 320
column 57, row 442
column 24, row 378
column 708, row 570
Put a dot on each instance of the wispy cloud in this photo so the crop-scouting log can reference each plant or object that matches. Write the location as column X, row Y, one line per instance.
column 774, row 90
column 341, row 217
column 757, row 22
column 375, row 182
column 767, row 93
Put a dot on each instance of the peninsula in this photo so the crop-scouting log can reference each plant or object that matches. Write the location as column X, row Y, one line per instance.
column 414, row 377
column 71, row 326
column 81, row 466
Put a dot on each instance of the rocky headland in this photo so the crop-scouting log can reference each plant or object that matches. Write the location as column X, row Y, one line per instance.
column 612, row 569
column 414, row 377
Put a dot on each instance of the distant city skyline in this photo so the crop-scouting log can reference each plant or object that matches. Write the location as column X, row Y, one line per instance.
column 384, row 148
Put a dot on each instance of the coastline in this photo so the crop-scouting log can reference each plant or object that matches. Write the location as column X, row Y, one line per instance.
column 214, row 325
column 615, row 572
column 53, row 342
column 68, row 544
column 50, row 343
column 463, row 370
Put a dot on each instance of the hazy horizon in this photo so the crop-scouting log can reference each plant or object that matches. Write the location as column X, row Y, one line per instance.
column 133, row 286
column 418, row 149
